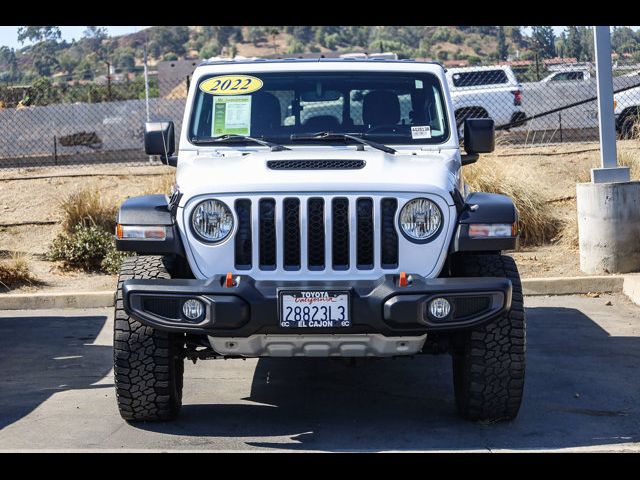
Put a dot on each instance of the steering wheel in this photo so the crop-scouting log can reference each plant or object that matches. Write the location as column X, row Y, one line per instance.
column 384, row 127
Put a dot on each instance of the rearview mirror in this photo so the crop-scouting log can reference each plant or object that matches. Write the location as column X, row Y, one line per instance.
column 479, row 137
column 324, row 96
column 159, row 139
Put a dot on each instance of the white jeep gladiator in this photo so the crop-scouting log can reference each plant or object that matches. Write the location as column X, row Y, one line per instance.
column 350, row 233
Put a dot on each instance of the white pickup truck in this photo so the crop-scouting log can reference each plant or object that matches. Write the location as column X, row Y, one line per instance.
column 486, row 92
column 627, row 112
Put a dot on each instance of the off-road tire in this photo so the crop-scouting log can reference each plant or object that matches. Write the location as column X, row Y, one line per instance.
column 489, row 361
column 148, row 363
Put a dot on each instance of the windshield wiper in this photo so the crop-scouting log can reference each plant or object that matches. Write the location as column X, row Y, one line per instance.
column 349, row 136
column 230, row 137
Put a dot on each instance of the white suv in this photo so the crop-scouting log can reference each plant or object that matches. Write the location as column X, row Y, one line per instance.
column 486, row 92
column 346, row 233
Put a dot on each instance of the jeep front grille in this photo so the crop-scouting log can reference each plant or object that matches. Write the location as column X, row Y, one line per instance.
column 316, row 233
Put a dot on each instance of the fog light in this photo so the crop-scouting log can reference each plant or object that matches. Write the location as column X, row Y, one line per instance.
column 193, row 309
column 439, row 307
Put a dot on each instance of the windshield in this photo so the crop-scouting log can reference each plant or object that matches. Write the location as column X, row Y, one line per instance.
column 389, row 107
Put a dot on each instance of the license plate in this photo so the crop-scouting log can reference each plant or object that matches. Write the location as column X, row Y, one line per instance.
column 314, row 308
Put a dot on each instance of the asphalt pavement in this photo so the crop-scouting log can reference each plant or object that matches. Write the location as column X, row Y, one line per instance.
column 582, row 392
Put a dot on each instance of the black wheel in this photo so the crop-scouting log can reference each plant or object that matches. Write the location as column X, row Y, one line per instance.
column 148, row 363
column 489, row 361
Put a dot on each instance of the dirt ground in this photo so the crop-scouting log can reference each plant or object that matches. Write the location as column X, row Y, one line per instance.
column 33, row 195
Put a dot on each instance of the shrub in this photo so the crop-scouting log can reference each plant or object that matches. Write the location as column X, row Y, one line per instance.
column 88, row 208
column 113, row 260
column 627, row 159
column 14, row 271
column 536, row 220
column 84, row 248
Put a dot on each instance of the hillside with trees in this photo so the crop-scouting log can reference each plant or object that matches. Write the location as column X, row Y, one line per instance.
column 76, row 67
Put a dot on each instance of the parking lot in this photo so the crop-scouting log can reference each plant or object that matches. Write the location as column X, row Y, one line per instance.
column 582, row 391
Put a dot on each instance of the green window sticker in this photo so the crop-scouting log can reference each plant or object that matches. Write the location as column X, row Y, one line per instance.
column 231, row 115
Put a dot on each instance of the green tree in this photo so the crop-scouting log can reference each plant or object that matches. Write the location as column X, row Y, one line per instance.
column 10, row 63
column 274, row 32
column 295, row 46
column 624, row 40
column 574, row 43
column 210, row 49
column 42, row 92
column 222, row 33
column 44, row 50
column 256, row 34
column 561, row 45
column 503, row 50
column 516, row 37
column 586, row 34
column 544, row 41
column 67, row 62
column 38, row 34
column 93, row 38
column 163, row 39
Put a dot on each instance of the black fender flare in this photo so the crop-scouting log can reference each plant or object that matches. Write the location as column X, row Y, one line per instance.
column 147, row 210
column 483, row 207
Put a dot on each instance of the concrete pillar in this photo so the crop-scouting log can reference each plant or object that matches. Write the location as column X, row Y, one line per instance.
column 609, row 227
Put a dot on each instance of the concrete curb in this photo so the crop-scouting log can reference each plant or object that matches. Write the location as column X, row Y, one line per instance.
column 627, row 284
column 572, row 285
column 631, row 287
column 39, row 301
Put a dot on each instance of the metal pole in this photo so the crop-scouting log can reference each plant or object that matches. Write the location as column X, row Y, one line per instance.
column 610, row 172
column 146, row 89
column 108, row 81
column 560, row 121
column 146, row 82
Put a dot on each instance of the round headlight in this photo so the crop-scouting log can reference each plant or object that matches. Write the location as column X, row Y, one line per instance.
column 420, row 219
column 212, row 220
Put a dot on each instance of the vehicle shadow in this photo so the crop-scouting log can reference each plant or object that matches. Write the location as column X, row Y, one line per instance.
column 40, row 356
column 582, row 388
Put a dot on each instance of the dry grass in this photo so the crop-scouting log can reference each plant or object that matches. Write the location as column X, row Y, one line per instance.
column 537, row 222
column 631, row 160
column 161, row 184
column 89, row 207
column 14, row 271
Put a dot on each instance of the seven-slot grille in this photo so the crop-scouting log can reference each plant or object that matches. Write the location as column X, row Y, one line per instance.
column 316, row 233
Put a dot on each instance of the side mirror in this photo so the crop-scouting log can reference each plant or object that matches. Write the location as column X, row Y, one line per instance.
column 479, row 137
column 159, row 139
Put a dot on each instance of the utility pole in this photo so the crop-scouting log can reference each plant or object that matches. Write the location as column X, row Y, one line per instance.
column 609, row 172
column 146, row 81
column 146, row 87
column 108, row 81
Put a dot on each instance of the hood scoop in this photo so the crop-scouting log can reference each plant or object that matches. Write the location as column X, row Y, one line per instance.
column 316, row 164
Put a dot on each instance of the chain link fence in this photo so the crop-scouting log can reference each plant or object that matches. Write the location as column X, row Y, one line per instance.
column 532, row 102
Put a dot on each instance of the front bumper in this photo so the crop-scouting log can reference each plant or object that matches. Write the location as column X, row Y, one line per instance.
column 377, row 306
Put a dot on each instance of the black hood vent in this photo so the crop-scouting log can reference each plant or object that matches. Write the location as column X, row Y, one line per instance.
column 315, row 164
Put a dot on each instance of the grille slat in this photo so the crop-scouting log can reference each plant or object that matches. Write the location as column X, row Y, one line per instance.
column 340, row 233
column 365, row 247
column 316, row 247
column 243, row 236
column 388, row 234
column 291, row 220
column 267, row 234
